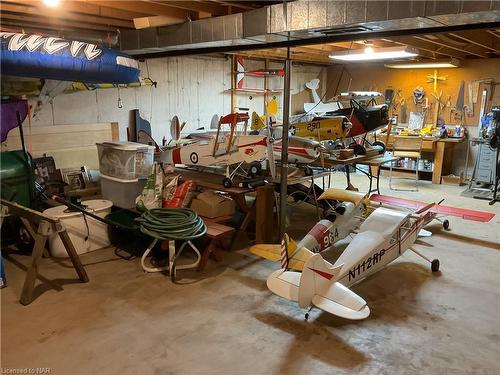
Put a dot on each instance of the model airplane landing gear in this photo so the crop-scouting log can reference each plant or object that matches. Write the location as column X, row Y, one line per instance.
column 227, row 183
column 446, row 225
column 306, row 316
column 434, row 263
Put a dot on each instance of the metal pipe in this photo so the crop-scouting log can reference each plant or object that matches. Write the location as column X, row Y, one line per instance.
column 284, row 143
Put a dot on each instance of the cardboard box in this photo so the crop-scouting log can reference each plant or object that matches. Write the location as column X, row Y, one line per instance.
column 210, row 205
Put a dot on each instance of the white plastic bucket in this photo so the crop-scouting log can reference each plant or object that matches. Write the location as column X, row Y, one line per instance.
column 84, row 240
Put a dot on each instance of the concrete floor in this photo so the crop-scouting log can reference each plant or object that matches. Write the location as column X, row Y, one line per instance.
column 225, row 321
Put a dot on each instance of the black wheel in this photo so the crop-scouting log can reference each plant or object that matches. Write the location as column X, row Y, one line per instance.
column 446, row 224
column 435, row 265
column 380, row 144
column 306, row 316
column 255, row 169
column 308, row 171
column 227, row 183
column 358, row 149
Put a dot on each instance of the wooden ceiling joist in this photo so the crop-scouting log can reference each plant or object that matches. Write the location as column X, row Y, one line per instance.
column 147, row 7
column 50, row 16
column 198, row 6
column 483, row 41
column 467, row 50
column 425, row 45
column 83, row 7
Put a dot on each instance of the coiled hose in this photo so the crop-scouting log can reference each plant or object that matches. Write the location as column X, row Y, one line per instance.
column 171, row 224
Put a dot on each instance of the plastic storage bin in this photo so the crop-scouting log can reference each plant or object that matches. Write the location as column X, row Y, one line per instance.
column 84, row 240
column 121, row 192
column 125, row 160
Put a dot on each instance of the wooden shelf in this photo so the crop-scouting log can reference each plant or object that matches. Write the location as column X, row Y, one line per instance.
column 408, row 169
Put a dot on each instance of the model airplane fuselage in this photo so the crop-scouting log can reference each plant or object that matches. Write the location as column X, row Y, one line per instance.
column 383, row 237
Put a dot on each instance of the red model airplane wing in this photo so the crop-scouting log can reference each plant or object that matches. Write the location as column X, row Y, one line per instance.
column 464, row 213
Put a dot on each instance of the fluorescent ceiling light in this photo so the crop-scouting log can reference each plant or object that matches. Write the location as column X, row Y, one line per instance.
column 370, row 53
column 453, row 63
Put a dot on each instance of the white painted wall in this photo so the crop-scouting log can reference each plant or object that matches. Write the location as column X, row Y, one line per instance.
column 193, row 88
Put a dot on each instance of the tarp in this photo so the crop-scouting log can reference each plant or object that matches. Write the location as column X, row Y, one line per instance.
column 8, row 115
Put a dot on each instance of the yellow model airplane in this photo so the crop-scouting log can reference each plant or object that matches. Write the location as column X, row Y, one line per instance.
column 319, row 128
column 323, row 128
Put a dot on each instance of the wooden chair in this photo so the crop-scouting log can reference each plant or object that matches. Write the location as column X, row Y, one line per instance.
column 406, row 147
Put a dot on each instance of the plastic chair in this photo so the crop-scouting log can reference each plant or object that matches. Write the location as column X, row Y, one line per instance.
column 406, row 147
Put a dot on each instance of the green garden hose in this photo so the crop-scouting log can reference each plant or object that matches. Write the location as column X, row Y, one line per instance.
column 172, row 224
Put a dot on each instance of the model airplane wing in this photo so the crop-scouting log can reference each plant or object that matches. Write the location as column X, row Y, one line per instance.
column 318, row 286
column 284, row 284
column 463, row 213
column 273, row 253
column 341, row 301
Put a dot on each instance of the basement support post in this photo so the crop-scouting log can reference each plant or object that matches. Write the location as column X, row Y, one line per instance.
column 284, row 144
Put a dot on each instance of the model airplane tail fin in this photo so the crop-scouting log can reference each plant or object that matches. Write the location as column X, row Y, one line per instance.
column 313, row 85
column 316, row 277
column 292, row 258
column 240, row 69
column 257, row 122
column 284, row 251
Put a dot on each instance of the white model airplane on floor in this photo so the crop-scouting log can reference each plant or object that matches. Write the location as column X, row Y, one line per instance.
column 383, row 237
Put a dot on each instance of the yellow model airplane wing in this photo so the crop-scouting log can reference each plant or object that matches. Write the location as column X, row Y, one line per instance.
column 343, row 195
column 273, row 253
column 299, row 260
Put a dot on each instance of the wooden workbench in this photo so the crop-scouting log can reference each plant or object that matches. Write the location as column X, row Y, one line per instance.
column 442, row 151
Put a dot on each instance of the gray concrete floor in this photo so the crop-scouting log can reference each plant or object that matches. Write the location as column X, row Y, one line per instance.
column 225, row 321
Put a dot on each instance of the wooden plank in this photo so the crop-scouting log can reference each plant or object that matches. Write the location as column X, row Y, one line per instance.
column 468, row 50
column 264, row 215
column 73, row 255
column 50, row 15
column 82, row 6
column 115, row 131
column 438, row 163
column 156, row 21
column 60, row 137
column 197, row 6
column 31, row 276
column 34, row 24
column 148, row 7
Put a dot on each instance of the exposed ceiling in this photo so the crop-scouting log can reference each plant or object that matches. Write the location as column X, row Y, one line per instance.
column 108, row 16
column 100, row 20
column 482, row 43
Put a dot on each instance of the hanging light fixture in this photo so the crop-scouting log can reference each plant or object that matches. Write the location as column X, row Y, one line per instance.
column 452, row 63
column 372, row 54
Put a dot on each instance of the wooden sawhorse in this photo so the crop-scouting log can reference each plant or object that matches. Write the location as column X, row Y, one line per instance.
column 45, row 225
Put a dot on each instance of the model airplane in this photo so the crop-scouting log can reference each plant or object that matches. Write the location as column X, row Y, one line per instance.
column 318, row 106
column 383, row 237
column 342, row 219
column 338, row 223
column 437, row 209
column 362, row 113
column 229, row 150
column 300, row 150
